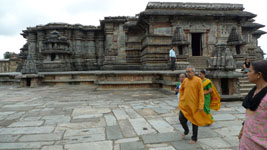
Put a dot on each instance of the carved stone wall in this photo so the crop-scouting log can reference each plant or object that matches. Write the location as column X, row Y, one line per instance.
column 144, row 41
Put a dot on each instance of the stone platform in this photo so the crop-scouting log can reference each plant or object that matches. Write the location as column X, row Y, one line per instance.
column 82, row 118
column 103, row 80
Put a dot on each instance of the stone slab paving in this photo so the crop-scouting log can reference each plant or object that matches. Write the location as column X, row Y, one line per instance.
column 80, row 118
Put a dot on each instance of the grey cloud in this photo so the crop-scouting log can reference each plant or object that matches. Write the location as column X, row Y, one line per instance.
column 80, row 6
column 14, row 17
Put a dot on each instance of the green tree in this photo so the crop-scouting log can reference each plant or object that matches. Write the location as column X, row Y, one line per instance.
column 7, row 55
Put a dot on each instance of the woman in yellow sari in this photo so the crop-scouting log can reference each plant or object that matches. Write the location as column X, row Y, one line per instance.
column 207, row 86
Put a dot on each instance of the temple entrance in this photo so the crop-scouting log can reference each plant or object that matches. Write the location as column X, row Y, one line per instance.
column 53, row 56
column 196, row 44
column 180, row 50
column 224, row 86
column 28, row 82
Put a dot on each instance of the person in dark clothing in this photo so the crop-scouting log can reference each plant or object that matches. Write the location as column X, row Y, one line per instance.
column 246, row 66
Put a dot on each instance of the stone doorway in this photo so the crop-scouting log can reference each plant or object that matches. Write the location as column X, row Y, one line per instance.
column 224, row 86
column 196, row 44
column 28, row 82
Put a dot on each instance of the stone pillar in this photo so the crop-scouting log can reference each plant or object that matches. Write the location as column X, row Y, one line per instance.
column 40, row 39
column 90, row 44
column 99, row 41
column 77, row 40
column 32, row 43
column 121, row 44
column 108, row 38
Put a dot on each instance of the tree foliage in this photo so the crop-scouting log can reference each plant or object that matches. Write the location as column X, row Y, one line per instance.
column 7, row 55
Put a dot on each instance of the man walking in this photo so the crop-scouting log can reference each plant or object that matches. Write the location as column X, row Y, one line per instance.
column 191, row 104
column 172, row 58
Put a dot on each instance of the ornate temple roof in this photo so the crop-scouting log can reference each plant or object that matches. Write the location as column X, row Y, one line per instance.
column 196, row 9
column 259, row 32
column 179, row 37
column 58, row 26
column 235, row 38
column 252, row 25
column 197, row 6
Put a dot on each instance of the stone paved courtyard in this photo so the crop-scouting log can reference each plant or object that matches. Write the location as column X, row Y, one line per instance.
column 81, row 118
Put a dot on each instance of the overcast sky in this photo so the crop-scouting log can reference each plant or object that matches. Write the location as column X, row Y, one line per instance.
column 17, row 15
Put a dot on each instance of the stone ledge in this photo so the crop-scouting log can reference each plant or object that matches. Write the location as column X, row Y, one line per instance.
column 231, row 97
column 78, row 80
column 122, row 82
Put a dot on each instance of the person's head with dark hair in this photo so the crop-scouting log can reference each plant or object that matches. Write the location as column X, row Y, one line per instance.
column 258, row 72
column 246, row 60
column 202, row 74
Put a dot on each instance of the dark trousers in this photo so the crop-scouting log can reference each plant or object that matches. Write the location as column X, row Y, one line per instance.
column 183, row 122
column 173, row 63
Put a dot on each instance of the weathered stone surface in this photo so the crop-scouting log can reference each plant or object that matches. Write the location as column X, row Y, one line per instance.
column 161, row 126
column 26, row 124
column 184, row 145
column 219, row 117
column 103, row 145
column 66, row 126
column 87, row 131
column 141, row 126
column 120, row 114
column 55, row 147
column 89, row 110
column 132, row 114
column 51, row 120
column 84, row 135
column 126, row 128
column 42, row 137
column 163, row 148
column 147, row 112
column 27, row 130
column 132, row 146
column 205, row 132
column 113, row 132
column 161, row 137
column 8, row 138
column 173, row 120
column 127, row 140
column 32, row 145
column 110, row 120
column 215, row 142
column 232, row 131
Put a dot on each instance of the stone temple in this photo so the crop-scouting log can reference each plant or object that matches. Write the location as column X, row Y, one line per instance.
column 212, row 36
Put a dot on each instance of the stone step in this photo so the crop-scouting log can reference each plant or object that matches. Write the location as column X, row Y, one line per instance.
column 245, row 90
column 243, row 94
column 246, row 86
column 244, row 82
column 198, row 61
column 243, row 79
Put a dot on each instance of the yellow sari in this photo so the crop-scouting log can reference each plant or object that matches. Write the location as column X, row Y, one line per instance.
column 215, row 102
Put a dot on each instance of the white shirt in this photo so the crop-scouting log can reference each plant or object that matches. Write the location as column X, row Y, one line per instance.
column 172, row 53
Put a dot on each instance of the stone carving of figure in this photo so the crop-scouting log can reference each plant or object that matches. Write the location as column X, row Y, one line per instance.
column 221, row 59
column 229, row 60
